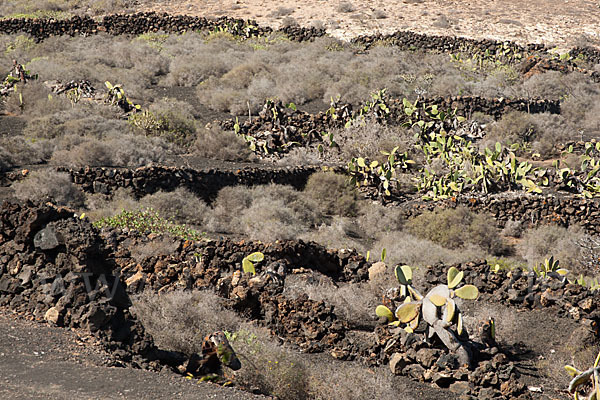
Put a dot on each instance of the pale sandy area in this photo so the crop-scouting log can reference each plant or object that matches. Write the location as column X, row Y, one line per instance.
column 561, row 23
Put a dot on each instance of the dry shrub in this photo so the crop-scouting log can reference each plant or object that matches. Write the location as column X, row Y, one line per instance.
column 513, row 228
column 85, row 119
column 353, row 302
column 402, row 247
column 31, row 100
column 578, row 107
column 300, row 156
column 172, row 120
column 346, row 7
column 281, row 12
column 333, row 194
column 334, row 380
column 542, row 131
column 551, row 240
column 58, row 8
column 179, row 320
column 100, row 206
column 83, row 152
column 181, row 205
column 368, row 139
column 338, row 233
column 513, row 127
column 376, row 219
column 267, row 366
column 118, row 150
column 502, row 81
column 213, row 142
column 549, row 85
column 161, row 246
column 266, row 213
column 47, row 184
column 457, row 228
column 18, row 151
column 379, row 14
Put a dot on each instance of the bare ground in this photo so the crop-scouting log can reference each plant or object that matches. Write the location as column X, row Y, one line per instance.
column 561, row 23
column 42, row 362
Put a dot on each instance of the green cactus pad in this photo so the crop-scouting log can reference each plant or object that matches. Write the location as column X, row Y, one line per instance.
column 467, row 292
column 454, row 277
column 383, row 311
column 248, row 266
column 403, row 274
column 437, row 299
column 256, row 257
column 450, row 310
column 408, row 312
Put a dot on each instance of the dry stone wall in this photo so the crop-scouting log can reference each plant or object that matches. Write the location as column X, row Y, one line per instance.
column 204, row 183
column 530, row 209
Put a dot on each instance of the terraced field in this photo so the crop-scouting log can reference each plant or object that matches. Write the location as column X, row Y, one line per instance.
column 397, row 215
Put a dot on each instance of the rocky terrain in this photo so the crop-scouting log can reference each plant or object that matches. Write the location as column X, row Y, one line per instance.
column 201, row 224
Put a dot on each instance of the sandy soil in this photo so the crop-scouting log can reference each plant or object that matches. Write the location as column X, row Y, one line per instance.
column 559, row 23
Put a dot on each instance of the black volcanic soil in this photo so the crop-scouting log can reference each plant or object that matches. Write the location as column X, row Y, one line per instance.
column 38, row 361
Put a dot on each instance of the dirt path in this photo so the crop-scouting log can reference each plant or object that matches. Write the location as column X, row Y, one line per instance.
column 558, row 22
column 41, row 362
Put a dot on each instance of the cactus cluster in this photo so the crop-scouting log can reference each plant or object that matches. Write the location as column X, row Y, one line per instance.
column 437, row 308
column 380, row 175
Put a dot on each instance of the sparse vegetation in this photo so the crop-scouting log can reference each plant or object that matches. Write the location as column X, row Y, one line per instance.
column 456, row 228
column 188, row 100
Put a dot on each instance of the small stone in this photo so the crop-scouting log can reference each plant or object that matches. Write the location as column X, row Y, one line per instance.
column 447, row 361
column 415, row 371
column 427, row 357
column 586, row 304
column 235, row 279
column 52, row 315
column 377, row 270
column 442, row 379
column 460, row 387
column 397, row 363
column 498, row 360
column 488, row 393
column 489, row 379
column 136, row 280
column 46, row 239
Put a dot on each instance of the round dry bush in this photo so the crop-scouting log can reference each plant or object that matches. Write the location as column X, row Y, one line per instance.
column 179, row 320
column 456, row 228
column 545, row 241
column 115, row 151
column 269, row 367
column 18, row 151
column 46, row 184
column 375, row 219
column 212, row 142
column 404, row 248
column 100, row 206
column 333, row 193
column 268, row 212
column 577, row 107
column 170, row 119
column 367, row 138
column 542, row 131
column 31, row 100
column 181, row 205
column 85, row 119
column 339, row 233
column 227, row 207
